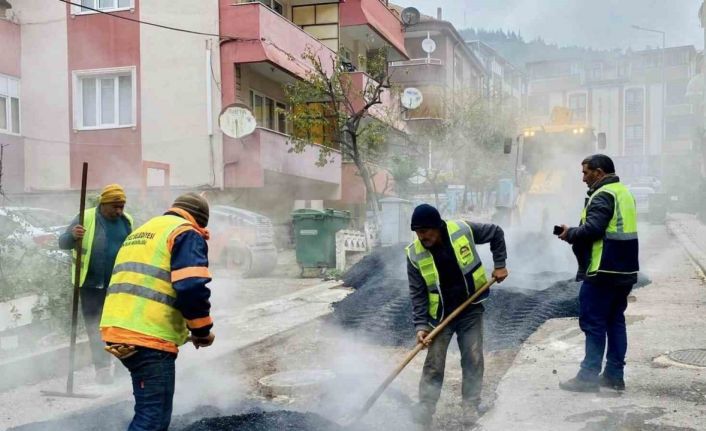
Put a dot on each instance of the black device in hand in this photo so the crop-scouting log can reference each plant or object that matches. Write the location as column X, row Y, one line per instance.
column 558, row 230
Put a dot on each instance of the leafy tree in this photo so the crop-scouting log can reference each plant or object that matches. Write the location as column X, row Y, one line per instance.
column 331, row 109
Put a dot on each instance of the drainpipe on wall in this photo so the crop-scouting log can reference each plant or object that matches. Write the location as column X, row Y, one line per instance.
column 209, row 111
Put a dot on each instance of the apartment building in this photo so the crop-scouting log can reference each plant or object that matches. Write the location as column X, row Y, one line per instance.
column 445, row 76
column 504, row 83
column 269, row 42
column 140, row 103
column 624, row 96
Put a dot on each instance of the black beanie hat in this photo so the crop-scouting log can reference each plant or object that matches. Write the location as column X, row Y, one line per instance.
column 426, row 216
column 195, row 205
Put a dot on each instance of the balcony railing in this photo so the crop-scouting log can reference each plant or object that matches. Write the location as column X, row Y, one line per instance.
column 417, row 62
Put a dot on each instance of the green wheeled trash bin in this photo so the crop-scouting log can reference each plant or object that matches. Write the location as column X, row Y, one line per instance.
column 315, row 238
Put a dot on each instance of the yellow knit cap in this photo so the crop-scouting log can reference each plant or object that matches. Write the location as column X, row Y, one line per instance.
column 112, row 193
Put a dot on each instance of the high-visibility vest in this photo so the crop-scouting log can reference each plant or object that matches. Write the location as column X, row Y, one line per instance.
column 89, row 224
column 140, row 297
column 468, row 260
column 617, row 252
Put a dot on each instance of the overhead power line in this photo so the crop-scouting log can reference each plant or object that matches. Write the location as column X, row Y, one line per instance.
column 154, row 24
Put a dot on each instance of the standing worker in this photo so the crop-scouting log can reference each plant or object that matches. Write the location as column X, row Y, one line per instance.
column 105, row 228
column 157, row 296
column 444, row 270
column 606, row 249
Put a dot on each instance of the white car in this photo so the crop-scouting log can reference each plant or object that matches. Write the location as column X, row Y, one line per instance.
column 642, row 197
column 31, row 226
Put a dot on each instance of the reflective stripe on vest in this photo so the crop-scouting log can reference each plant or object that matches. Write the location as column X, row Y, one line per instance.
column 89, row 224
column 467, row 257
column 617, row 251
column 141, row 297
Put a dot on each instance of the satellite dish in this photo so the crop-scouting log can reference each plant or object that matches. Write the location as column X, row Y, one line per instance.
column 237, row 121
column 411, row 98
column 428, row 45
column 410, row 16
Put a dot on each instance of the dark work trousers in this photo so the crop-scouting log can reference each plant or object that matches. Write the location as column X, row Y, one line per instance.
column 601, row 316
column 468, row 328
column 92, row 300
column 152, row 373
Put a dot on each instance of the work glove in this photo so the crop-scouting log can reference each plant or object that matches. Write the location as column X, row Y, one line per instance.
column 121, row 351
column 203, row 341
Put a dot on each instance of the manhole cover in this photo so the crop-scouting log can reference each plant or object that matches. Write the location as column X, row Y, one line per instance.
column 295, row 383
column 696, row 357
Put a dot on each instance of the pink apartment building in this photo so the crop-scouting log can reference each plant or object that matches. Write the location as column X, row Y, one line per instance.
column 140, row 103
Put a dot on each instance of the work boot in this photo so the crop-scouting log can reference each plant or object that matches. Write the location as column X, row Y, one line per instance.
column 579, row 385
column 469, row 417
column 422, row 416
column 104, row 376
column 607, row 382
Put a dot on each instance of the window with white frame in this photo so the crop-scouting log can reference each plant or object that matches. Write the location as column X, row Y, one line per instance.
column 272, row 4
column 9, row 105
column 577, row 104
column 102, row 5
column 104, row 99
column 269, row 113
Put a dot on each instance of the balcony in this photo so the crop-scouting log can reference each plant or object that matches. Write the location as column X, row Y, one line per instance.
column 419, row 71
column 388, row 111
column 264, row 157
column 265, row 36
column 358, row 17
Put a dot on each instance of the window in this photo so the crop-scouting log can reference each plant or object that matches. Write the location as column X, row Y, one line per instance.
column 272, row 4
column 634, row 140
column 678, row 58
column 320, row 21
column 634, row 100
column 597, row 71
column 321, row 125
column 680, row 127
column 624, row 70
column 9, row 105
column 577, row 104
column 676, row 92
column 269, row 113
column 634, row 133
column 103, row 5
column 538, row 104
column 104, row 100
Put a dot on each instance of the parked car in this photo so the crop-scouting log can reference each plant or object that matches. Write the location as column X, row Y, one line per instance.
column 642, row 198
column 652, row 182
column 242, row 239
column 29, row 226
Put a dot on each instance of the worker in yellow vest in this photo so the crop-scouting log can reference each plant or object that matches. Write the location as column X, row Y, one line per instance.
column 104, row 229
column 607, row 249
column 444, row 270
column 157, row 301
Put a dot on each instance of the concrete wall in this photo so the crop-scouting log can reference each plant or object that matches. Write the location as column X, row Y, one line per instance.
column 654, row 119
column 174, row 82
column 44, row 104
column 10, row 58
column 13, row 154
column 99, row 41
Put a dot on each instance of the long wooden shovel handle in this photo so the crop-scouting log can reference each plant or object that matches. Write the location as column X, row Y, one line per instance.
column 418, row 348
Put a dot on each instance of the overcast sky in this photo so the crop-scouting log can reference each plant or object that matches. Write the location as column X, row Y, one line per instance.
column 594, row 23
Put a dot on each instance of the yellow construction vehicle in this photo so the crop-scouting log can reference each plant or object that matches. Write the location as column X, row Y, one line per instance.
column 548, row 170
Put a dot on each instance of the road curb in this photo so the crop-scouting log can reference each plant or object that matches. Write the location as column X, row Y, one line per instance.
column 676, row 229
column 46, row 365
